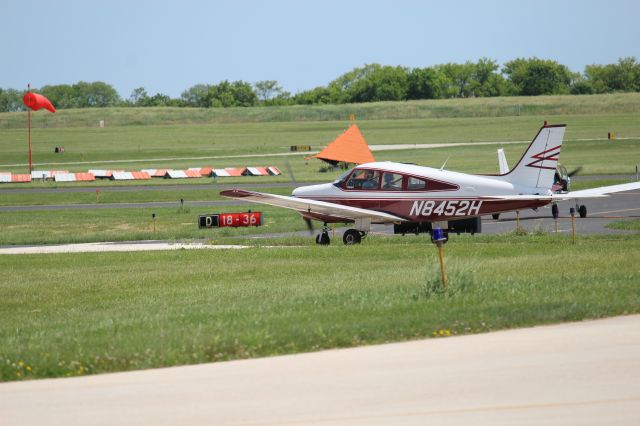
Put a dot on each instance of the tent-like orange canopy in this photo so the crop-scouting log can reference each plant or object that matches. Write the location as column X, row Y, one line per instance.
column 349, row 147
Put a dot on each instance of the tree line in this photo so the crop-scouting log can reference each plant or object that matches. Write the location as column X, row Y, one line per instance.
column 370, row 83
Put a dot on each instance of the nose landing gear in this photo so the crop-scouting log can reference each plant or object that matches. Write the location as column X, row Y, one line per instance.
column 323, row 237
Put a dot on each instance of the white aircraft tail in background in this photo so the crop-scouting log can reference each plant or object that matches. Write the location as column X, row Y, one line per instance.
column 502, row 162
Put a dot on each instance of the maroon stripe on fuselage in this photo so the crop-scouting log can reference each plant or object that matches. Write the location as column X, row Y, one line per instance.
column 435, row 209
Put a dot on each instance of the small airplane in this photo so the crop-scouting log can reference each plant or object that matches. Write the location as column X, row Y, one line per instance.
column 417, row 199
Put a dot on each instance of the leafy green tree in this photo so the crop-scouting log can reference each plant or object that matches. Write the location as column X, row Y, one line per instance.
column 534, row 76
column 226, row 94
column 424, row 83
column 243, row 94
column 318, row 95
column 581, row 86
column 197, row 96
column 459, row 78
column 623, row 76
column 61, row 96
column 138, row 96
column 372, row 83
column 95, row 94
column 486, row 80
column 267, row 89
column 11, row 100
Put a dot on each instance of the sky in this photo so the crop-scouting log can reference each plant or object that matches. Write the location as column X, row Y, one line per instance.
column 169, row 46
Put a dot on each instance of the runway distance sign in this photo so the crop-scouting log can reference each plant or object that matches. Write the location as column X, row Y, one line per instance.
column 230, row 220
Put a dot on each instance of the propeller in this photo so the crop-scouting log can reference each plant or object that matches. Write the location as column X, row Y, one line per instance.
column 292, row 176
column 574, row 171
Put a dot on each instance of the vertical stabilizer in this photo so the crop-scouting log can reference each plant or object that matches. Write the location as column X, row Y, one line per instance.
column 537, row 166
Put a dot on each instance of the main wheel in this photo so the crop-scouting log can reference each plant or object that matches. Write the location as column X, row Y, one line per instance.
column 582, row 211
column 351, row 236
column 495, row 216
column 323, row 239
column 554, row 211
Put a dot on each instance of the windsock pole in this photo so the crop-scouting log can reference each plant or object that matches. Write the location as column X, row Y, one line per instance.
column 29, row 126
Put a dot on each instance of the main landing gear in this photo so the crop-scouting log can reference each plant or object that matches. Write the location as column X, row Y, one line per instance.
column 353, row 236
column 350, row 237
column 581, row 209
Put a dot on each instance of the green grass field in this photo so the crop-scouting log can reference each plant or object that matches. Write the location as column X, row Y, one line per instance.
column 513, row 106
column 166, row 138
column 172, row 223
column 76, row 314
column 68, row 315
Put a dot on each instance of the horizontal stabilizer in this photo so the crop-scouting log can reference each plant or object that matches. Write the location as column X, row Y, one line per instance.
column 602, row 191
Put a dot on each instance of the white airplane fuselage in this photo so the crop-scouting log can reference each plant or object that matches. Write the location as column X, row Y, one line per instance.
column 445, row 195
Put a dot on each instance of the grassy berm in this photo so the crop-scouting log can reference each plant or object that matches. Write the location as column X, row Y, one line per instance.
column 76, row 314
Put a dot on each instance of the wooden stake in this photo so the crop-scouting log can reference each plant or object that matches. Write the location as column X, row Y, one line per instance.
column 442, row 268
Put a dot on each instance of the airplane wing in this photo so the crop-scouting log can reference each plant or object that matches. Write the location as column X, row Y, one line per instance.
column 303, row 205
column 602, row 191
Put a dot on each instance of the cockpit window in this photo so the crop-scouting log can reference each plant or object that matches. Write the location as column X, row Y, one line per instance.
column 391, row 181
column 363, row 179
column 342, row 177
column 415, row 184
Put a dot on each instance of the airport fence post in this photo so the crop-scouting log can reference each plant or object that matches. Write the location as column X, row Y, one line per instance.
column 573, row 224
column 153, row 217
column 517, row 221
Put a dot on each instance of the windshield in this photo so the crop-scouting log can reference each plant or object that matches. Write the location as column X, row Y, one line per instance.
column 342, row 177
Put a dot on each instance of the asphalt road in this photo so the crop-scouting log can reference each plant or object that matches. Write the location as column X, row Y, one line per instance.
column 214, row 186
column 601, row 211
column 585, row 373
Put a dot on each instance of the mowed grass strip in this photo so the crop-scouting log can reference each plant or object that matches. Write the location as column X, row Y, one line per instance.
column 128, row 224
column 105, row 196
column 629, row 225
column 76, row 314
column 184, row 145
column 431, row 109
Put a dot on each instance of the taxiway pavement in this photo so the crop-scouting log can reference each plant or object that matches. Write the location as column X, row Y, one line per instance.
column 585, row 373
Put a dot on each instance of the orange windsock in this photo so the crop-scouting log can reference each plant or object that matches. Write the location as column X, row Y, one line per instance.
column 36, row 101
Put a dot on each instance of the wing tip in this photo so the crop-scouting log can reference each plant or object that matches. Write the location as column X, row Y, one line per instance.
column 235, row 193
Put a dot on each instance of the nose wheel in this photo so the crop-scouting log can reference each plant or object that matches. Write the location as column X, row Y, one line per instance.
column 323, row 237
